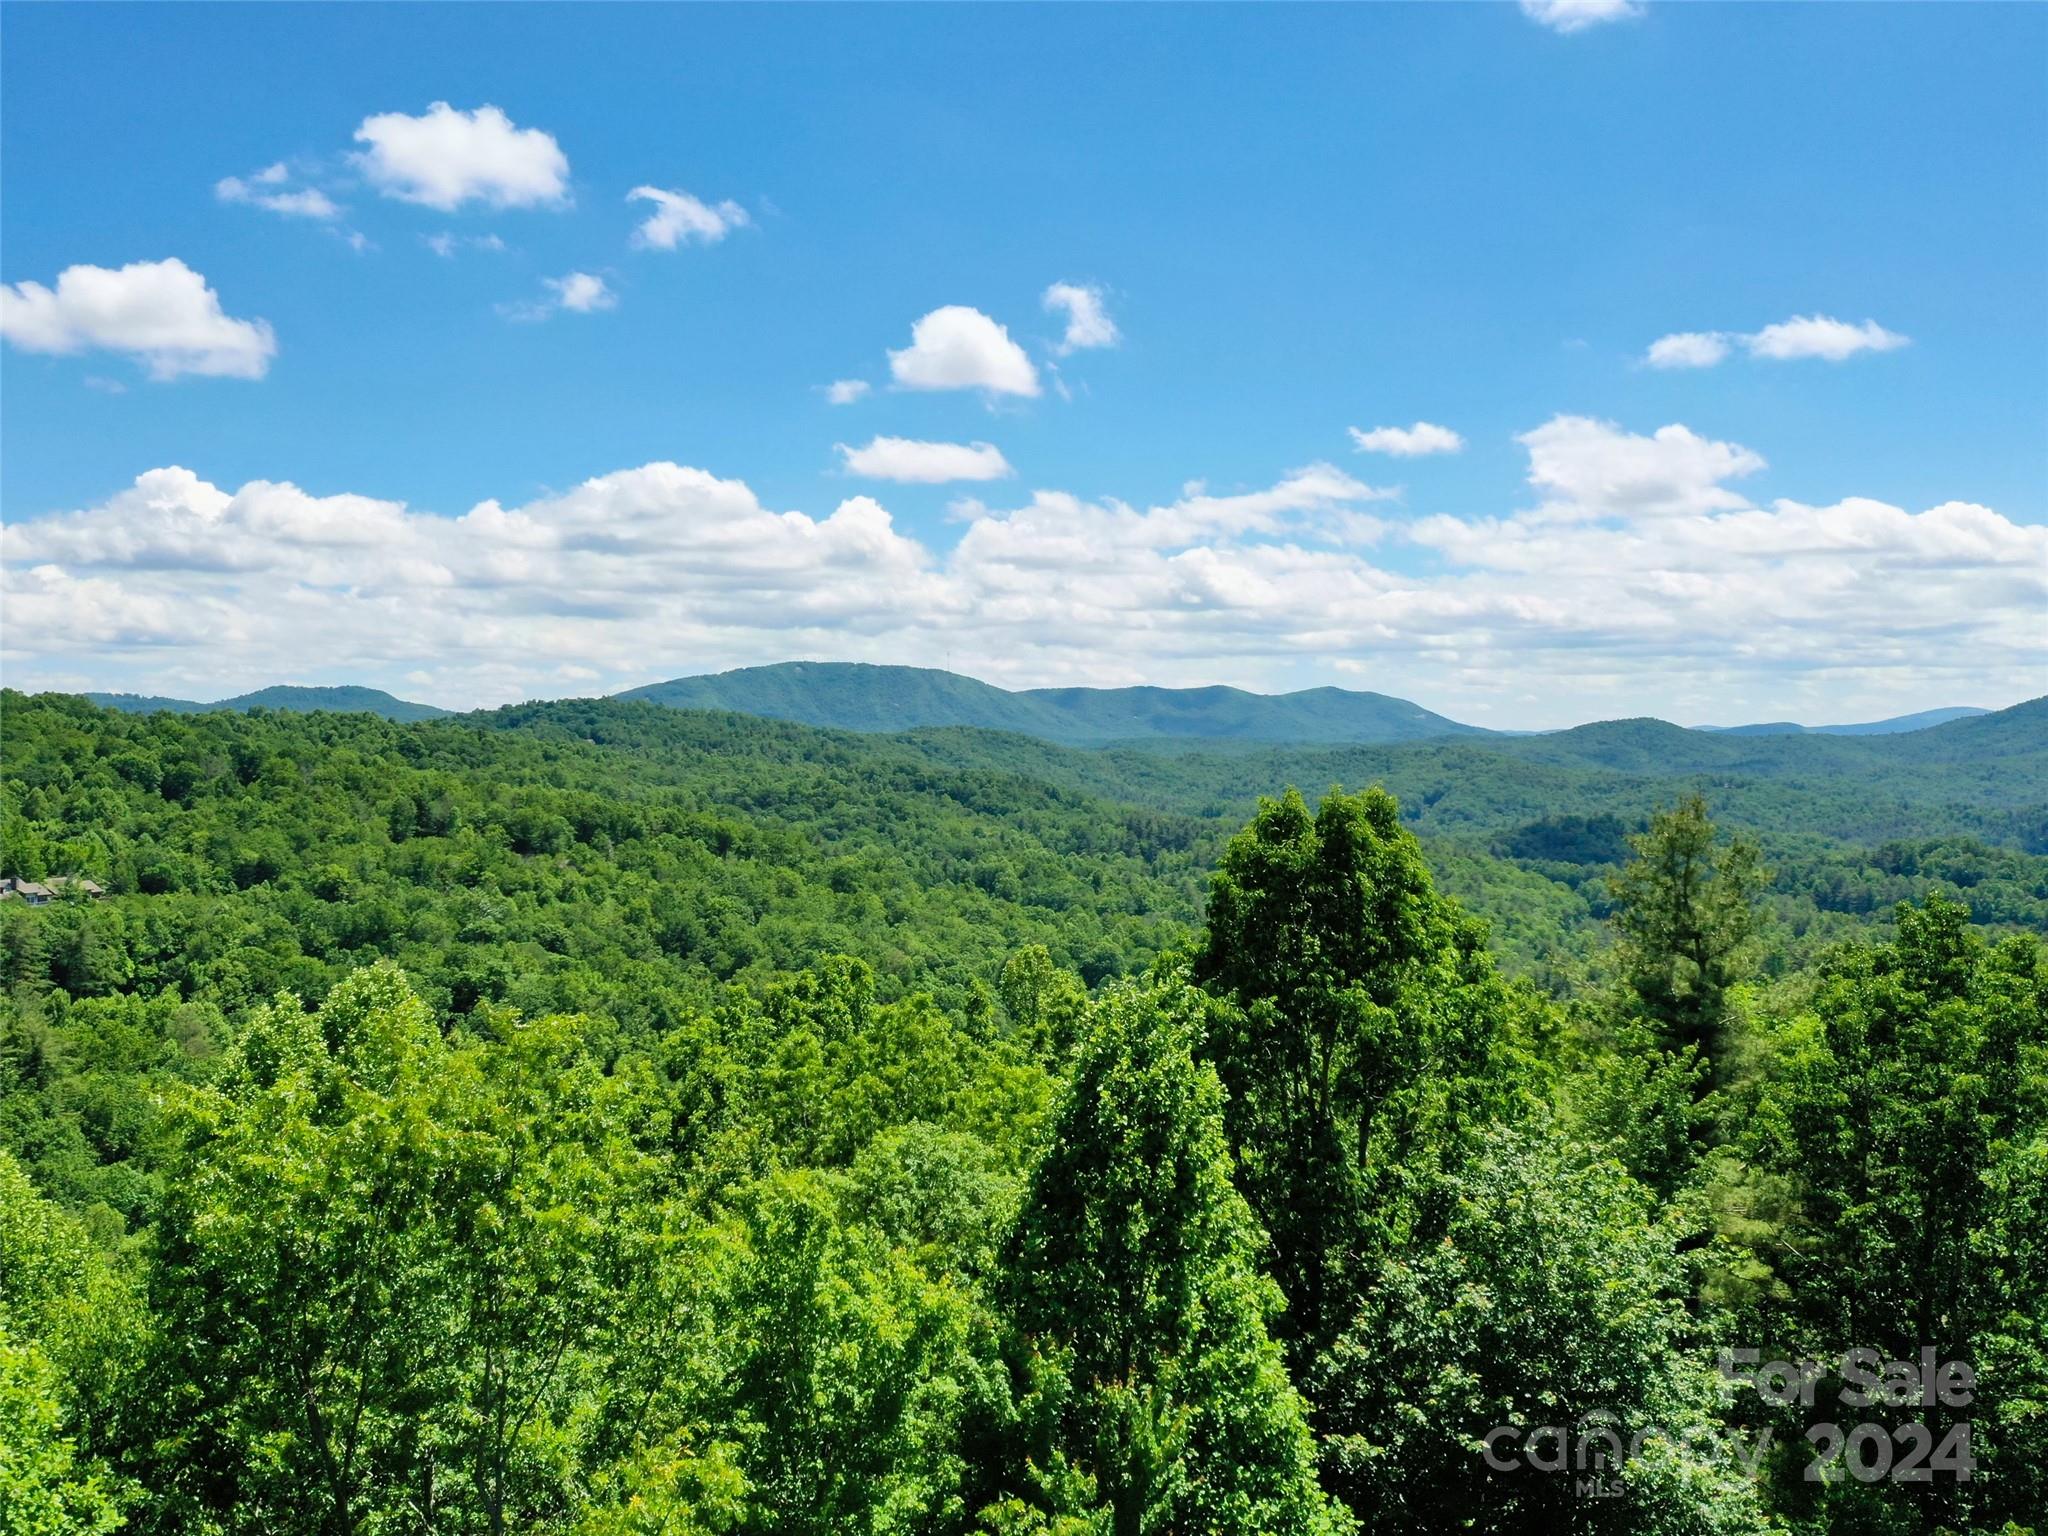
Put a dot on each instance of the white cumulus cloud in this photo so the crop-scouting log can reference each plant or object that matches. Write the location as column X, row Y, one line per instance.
column 680, row 219
column 1088, row 322
column 1408, row 442
column 846, row 391
column 444, row 158
column 1591, row 468
column 1803, row 336
column 1640, row 582
column 583, row 293
column 1569, row 16
column 1687, row 349
column 920, row 463
column 447, row 243
column 272, row 580
column 1819, row 336
column 161, row 312
column 956, row 347
column 268, row 189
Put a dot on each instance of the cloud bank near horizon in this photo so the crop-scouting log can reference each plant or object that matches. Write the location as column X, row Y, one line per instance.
column 1638, row 578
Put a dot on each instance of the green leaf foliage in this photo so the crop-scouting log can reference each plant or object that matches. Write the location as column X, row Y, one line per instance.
column 1358, row 1033
column 601, row 1119
column 1132, row 1282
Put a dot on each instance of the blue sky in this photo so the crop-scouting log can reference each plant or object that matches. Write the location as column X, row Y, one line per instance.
column 1297, row 222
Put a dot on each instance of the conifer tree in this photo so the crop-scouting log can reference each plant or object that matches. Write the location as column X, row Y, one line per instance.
column 1686, row 908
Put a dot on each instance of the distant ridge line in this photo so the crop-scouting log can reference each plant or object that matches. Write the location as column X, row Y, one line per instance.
column 346, row 699
column 1896, row 725
column 878, row 698
column 864, row 696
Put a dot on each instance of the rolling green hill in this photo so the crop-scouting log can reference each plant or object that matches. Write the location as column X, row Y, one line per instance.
column 1983, row 776
column 341, row 700
column 851, row 697
column 1893, row 726
column 1094, row 851
column 856, row 697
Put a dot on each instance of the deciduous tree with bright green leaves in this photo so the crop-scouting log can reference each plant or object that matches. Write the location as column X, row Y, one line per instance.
column 1554, row 1302
column 391, row 1269
column 1360, row 1035
column 1148, row 1380
column 1909, row 1109
column 69, row 1323
column 758, row 1138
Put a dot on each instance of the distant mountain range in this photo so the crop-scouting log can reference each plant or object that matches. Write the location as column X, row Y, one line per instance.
column 1890, row 727
column 348, row 700
column 855, row 696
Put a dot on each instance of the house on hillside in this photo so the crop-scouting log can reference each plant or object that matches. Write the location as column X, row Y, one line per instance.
column 37, row 892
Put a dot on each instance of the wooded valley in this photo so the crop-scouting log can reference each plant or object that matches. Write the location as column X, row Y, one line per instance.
column 597, row 1117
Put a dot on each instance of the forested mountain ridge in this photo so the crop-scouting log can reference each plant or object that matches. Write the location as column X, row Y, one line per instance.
column 712, row 845
column 892, row 699
column 863, row 697
column 2021, row 729
column 857, row 696
column 1983, row 776
column 1919, row 721
column 1848, row 834
column 372, row 701
column 639, row 1119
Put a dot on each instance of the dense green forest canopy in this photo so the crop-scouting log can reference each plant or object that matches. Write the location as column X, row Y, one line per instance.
column 597, row 1117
